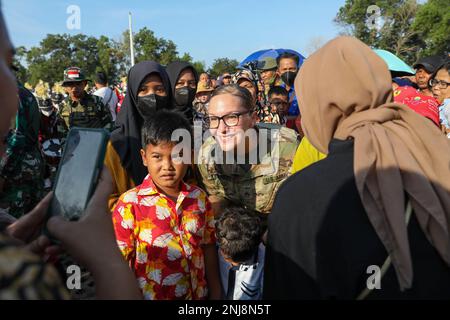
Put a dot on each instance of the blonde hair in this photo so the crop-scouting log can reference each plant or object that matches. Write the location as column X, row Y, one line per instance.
column 237, row 91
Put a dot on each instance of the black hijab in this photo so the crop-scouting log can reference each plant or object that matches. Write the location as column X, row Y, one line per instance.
column 126, row 138
column 174, row 70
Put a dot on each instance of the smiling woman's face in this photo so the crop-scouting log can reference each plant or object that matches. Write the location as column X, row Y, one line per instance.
column 230, row 137
column 8, row 85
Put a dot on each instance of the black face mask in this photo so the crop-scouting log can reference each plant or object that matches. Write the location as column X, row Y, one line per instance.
column 149, row 104
column 184, row 96
column 289, row 78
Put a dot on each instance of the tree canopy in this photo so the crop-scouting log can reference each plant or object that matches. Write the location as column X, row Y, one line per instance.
column 406, row 28
column 56, row 52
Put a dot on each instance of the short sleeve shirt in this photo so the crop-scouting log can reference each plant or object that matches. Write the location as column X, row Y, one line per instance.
column 162, row 240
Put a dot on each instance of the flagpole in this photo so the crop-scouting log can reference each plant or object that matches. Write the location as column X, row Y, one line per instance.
column 131, row 40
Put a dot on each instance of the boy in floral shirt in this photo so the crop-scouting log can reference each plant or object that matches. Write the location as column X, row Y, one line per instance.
column 165, row 227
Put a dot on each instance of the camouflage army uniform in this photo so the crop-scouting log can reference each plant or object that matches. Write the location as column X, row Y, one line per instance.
column 22, row 166
column 250, row 186
column 89, row 112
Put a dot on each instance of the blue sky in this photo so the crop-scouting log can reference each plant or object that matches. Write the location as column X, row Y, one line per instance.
column 207, row 29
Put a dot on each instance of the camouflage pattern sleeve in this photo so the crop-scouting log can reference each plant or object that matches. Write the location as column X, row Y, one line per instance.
column 26, row 277
column 64, row 112
column 206, row 182
column 209, row 234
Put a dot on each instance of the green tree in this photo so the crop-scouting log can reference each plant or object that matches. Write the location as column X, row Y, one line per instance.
column 56, row 52
column 395, row 30
column 198, row 65
column 433, row 25
column 222, row 65
column 19, row 61
column 48, row 61
column 108, row 58
column 149, row 47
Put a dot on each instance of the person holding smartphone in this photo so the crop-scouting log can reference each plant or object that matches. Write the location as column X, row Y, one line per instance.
column 91, row 239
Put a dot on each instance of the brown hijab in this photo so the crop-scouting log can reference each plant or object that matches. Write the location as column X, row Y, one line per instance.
column 344, row 92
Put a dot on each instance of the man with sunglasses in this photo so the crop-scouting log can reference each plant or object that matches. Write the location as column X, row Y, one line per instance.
column 243, row 163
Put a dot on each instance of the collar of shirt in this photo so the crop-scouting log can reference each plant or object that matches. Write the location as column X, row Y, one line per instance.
column 148, row 188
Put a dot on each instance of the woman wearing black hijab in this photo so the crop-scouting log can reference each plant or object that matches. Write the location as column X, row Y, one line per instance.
column 183, row 79
column 148, row 91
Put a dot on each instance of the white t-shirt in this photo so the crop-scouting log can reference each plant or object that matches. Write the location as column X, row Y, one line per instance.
column 248, row 284
column 109, row 98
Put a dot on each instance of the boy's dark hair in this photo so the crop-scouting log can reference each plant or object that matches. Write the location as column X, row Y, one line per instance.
column 101, row 78
column 160, row 127
column 279, row 91
column 239, row 234
column 288, row 55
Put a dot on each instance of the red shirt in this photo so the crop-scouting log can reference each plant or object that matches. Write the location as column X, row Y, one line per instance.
column 162, row 240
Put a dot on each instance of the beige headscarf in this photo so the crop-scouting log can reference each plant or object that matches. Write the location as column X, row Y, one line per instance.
column 344, row 91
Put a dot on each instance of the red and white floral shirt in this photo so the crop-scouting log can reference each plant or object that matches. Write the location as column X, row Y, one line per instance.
column 162, row 240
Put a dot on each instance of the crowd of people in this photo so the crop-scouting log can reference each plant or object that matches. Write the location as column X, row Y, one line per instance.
column 307, row 175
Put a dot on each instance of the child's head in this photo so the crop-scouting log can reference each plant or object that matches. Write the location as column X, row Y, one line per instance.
column 278, row 99
column 239, row 234
column 158, row 151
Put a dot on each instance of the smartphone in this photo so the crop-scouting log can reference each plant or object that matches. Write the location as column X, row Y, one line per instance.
column 78, row 172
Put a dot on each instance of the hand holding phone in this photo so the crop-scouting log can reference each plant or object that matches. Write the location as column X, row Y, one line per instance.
column 78, row 172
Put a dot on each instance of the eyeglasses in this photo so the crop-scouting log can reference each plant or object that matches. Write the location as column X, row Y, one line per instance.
column 230, row 120
column 442, row 84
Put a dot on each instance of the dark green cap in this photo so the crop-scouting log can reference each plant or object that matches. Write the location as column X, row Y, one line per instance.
column 267, row 63
column 73, row 74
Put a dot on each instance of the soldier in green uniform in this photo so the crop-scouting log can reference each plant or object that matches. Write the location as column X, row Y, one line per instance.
column 22, row 166
column 267, row 67
column 243, row 163
column 81, row 109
